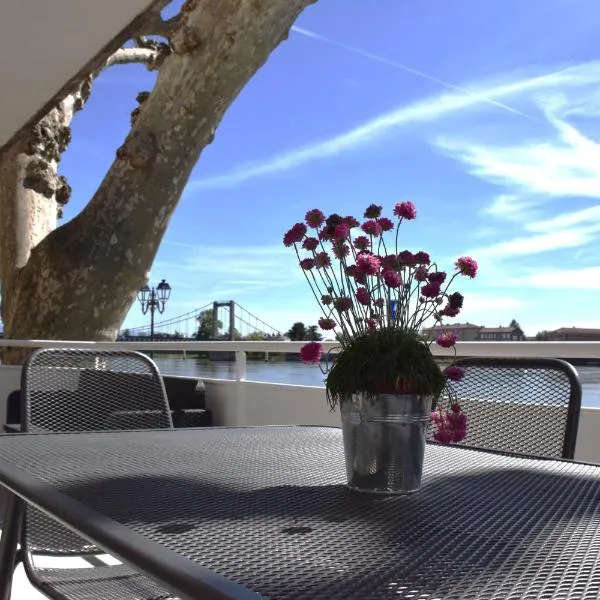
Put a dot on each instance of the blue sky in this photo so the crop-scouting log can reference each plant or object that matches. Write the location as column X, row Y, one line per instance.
column 485, row 114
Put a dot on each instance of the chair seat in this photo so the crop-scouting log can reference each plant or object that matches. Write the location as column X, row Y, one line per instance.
column 101, row 583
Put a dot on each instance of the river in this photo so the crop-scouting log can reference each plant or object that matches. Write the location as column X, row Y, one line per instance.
column 300, row 374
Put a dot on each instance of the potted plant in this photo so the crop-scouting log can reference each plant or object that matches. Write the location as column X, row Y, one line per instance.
column 384, row 378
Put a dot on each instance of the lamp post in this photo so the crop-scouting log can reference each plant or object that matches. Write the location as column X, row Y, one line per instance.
column 153, row 299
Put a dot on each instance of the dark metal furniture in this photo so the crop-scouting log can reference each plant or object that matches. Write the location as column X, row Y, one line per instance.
column 267, row 508
column 521, row 405
column 85, row 390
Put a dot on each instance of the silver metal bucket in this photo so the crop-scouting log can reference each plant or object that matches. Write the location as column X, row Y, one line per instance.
column 384, row 442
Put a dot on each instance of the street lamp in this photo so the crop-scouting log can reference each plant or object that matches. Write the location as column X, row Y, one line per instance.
column 153, row 299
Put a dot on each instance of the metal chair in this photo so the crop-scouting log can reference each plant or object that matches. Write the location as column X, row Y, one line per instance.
column 524, row 406
column 71, row 390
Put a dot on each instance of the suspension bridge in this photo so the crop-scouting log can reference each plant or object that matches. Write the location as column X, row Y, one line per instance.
column 213, row 321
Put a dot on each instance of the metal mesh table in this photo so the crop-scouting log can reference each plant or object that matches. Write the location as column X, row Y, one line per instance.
column 267, row 508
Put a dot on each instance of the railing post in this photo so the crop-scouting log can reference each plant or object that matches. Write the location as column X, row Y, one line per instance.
column 240, row 384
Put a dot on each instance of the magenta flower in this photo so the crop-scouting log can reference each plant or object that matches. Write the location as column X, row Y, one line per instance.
column 314, row 218
column 373, row 211
column 386, row 224
column 421, row 273
column 310, row 243
column 342, row 304
column 454, row 373
column 448, row 311
column 455, row 300
column 327, row 324
column 431, row 290
column 467, row 266
column 307, row 263
column 361, row 242
column 322, row 260
column 405, row 210
column 311, row 353
column 379, row 302
column 367, row 264
column 371, row 324
column 390, row 261
column 438, row 277
column 446, row 339
column 326, row 299
column 351, row 222
column 371, row 228
column 392, row 278
column 363, row 296
column 295, row 234
column 422, row 258
column 407, row 258
column 340, row 250
column 451, row 426
column 341, row 231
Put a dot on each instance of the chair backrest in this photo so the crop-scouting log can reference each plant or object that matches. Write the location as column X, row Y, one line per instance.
column 72, row 390
column 520, row 405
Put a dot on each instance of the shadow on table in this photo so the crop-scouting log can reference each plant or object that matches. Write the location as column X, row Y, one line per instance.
column 478, row 531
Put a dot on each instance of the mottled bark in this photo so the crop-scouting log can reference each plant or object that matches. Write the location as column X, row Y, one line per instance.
column 81, row 279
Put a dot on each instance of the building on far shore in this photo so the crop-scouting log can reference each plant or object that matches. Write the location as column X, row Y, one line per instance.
column 574, row 334
column 467, row 332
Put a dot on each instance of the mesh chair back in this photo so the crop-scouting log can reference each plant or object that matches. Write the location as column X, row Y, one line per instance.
column 520, row 405
column 72, row 390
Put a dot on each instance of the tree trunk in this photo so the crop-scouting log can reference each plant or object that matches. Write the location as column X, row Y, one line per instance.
column 79, row 282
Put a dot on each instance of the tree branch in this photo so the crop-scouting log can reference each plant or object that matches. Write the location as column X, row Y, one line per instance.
column 125, row 56
column 156, row 25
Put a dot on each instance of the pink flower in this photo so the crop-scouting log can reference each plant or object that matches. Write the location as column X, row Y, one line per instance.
column 341, row 231
column 368, row 264
column 351, row 222
column 307, row 263
column 314, row 218
column 371, row 324
column 392, row 278
column 406, row 257
column 386, row 224
column 295, row 234
column 311, row 353
column 379, row 302
column 322, row 260
column 351, row 270
column 454, row 373
column 451, row 426
column 371, row 228
column 405, row 210
column 327, row 324
column 326, row 299
column 422, row 258
column 448, row 311
column 446, row 339
column 363, row 296
column 373, row 211
column 361, row 242
column 310, row 243
column 390, row 262
column 340, row 250
column 421, row 273
column 342, row 304
column 467, row 266
column 431, row 290
column 438, row 277
column 455, row 300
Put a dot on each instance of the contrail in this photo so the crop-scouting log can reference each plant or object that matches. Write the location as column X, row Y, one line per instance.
column 398, row 65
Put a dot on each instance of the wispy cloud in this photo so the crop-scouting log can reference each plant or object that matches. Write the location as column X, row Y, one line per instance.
column 397, row 65
column 587, row 278
column 423, row 111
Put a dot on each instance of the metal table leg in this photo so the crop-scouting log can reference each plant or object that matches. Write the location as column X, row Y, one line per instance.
column 13, row 517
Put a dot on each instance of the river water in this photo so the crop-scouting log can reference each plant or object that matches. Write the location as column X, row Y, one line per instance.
column 300, row 374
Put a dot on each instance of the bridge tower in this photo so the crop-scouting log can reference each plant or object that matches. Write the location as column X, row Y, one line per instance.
column 231, row 306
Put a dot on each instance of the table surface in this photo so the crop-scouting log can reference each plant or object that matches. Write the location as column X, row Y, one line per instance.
column 267, row 508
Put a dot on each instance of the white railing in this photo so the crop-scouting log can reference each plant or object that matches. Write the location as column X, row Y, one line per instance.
column 242, row 402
